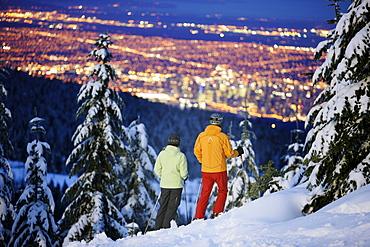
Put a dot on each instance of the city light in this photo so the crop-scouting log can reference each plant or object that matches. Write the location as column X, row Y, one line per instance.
column 191, row 73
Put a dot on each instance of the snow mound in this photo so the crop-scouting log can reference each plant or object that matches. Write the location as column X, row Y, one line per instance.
column 273, row 220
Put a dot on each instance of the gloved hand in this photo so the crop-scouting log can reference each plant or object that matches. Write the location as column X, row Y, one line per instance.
column 240, row 151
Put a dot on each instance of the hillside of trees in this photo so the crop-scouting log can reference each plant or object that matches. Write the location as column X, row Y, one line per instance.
column 56, row 102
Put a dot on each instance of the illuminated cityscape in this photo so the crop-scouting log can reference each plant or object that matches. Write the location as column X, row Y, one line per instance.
column 271, row 80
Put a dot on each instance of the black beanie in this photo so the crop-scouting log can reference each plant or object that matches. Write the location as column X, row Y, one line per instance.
column 174, row 140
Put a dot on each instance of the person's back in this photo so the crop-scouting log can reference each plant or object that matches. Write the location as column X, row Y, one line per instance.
column 211, row 149
column 172, row 168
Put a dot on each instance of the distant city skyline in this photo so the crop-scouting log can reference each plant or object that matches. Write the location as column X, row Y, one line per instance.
column 180, row 57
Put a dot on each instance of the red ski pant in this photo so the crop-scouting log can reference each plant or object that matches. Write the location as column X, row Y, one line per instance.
column 208, row 179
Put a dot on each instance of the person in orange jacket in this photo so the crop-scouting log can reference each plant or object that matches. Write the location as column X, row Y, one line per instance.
column 211, row 149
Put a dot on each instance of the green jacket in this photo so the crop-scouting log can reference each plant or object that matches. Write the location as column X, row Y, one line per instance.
column 171, row 167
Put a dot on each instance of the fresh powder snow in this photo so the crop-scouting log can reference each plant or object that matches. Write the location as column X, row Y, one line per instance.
column 273, row 220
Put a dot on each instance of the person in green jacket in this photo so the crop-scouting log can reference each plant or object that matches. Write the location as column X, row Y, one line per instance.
column 172, row 168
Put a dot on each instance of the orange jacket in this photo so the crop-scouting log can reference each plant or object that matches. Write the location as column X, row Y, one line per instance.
column 211, row 149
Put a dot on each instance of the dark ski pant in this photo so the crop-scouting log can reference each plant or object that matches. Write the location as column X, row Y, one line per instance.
column 208, row 179
column 169, row 202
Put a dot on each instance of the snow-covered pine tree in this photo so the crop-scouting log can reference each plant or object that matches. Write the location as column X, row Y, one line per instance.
column 6, row 175
column 338, row 150
column 269, row 172
column 239, row 180
column 337, row 11
column 292, row 171
column 246, row 143
column 97, row 147
column 34, row 223
column 142, row 185
column 242, row 171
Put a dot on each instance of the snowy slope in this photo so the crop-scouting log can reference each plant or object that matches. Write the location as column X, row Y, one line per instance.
column 273, row 220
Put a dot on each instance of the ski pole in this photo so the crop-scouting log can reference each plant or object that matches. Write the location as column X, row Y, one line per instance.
column 196, row 199
column 151, row 215
column 186, row 205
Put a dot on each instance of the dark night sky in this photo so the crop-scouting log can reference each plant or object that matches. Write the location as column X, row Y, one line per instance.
column 316, row 10
column 308, row 10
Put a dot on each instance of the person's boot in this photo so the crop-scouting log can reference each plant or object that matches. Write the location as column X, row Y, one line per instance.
column 214, row 215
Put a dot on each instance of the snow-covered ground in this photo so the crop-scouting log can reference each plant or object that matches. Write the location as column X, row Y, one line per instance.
column 273, row 220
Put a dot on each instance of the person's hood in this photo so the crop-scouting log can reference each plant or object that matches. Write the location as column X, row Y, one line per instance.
column 212, row 129
column 171, row 150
